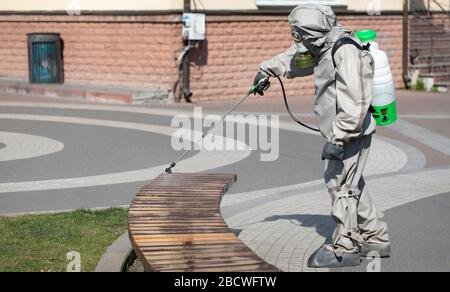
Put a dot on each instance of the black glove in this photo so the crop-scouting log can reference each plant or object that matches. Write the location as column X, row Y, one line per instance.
column 332, row 152
column 261, row 83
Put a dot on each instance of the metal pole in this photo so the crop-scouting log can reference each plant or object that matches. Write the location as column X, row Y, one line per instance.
column 432, row 53
column 187, row 6
column 406, row 78
column 186, row 78
column 186, row 68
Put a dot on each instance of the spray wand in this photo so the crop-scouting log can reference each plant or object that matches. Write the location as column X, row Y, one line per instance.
column 173, row 164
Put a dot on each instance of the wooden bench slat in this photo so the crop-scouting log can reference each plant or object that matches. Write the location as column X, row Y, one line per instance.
column 204, row 251
column 230, row 257
column 206, row 267
column 190, row 228
column 185, row 237
column 175, row 221
column 204, row 262
column 178, row 231
column 260, row 268
column 196, row 245
column 180, row 224
column 210, row 245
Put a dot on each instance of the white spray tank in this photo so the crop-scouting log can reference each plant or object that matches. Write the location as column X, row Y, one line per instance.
column 383, row 96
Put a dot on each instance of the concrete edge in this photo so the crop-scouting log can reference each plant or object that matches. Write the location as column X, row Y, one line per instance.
column 116, row 255
column 93, row 93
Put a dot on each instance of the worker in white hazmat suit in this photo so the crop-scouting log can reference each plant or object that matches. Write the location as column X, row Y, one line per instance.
column 343, row 85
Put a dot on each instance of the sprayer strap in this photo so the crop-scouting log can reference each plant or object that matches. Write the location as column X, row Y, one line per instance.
column 347, row 41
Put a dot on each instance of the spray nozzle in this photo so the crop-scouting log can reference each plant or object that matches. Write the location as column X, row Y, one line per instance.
column 169, row 169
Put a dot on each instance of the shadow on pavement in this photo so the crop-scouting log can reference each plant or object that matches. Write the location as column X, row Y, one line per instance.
column 320, row 222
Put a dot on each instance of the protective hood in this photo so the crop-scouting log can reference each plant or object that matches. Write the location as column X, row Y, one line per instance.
column 313, row 22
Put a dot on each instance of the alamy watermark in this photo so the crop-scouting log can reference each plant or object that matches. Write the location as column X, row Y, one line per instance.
column 74, row 262
column 236, row 133
column 73, row 7
column 374, row 8
column 374, row 264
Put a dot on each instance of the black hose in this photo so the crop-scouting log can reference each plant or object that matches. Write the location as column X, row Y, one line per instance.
column 287, row 104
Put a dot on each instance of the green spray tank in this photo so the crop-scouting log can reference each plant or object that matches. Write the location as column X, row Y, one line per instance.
column 384, row 108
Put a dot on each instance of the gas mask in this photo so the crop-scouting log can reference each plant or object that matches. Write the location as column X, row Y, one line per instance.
column 305, row 59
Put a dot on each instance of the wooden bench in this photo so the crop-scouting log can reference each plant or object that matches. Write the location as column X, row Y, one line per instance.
column 175, row 225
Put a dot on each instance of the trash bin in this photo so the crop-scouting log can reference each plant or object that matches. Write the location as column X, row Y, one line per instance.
column 45, row 58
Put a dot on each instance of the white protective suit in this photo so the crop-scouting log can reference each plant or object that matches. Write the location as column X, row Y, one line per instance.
column 343, row 96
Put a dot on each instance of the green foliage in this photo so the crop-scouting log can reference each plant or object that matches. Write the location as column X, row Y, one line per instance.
column 419, row 86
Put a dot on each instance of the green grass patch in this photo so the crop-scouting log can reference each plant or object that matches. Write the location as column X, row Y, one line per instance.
column 38, row 243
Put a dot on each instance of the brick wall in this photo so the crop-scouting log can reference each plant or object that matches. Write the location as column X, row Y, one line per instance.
column 236, row 48
column 138, row 51
column 119, row 53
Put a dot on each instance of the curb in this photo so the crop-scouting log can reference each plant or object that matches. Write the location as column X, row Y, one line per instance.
column 93, row 93
column 116, row 255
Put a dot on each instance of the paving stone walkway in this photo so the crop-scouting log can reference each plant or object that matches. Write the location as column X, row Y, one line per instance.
column 57, row 156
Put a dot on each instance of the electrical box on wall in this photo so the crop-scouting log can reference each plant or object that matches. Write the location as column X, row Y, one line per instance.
column 194, row 26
